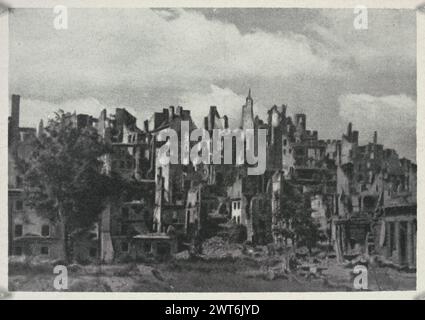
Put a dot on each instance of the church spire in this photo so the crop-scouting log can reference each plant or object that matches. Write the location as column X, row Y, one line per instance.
column 248, row 113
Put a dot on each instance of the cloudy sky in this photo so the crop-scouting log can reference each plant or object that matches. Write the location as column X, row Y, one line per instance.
column 312, row 60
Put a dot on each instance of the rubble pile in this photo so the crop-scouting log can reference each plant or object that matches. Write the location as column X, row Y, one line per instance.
column 218, row 248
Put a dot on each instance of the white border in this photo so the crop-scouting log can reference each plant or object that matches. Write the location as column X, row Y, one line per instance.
column 4, row 98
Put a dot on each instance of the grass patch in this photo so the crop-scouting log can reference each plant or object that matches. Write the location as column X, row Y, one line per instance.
column 227, row 264
column 28, row 266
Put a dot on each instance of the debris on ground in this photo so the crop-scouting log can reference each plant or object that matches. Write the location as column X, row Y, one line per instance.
column 218, row 248
column 183, row 255
column 157, row 274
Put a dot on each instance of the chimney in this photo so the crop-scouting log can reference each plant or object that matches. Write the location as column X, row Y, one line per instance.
column 15, row 110
column 283, row 111
column 349, row 129
column 146, row 125
column 206, row 124
column 355, row 136
column 300, row 119
column 179, row 111
column 40, row 131
column 171, row 112
column 211, row 116
column 375, row 137
column 186, row 114
column 14, row 120
column 226, row 122
column 166, row 114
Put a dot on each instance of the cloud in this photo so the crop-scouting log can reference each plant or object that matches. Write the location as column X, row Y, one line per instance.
column 368, row 50
column 145, row 48
column 150, row 59
column 227, row 102
column 393, row 116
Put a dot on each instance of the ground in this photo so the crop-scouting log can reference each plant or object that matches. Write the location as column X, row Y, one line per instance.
column 231, row 269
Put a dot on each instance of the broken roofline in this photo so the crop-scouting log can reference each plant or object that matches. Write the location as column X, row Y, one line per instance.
column 244, row 140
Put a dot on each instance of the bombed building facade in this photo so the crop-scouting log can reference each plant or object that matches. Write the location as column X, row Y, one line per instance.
column 376, row 205
column 362, row 197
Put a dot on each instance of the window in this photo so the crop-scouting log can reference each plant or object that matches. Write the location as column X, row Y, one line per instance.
column 18, row 251
column 284, row 151
column 299, row 152
column 18, row 181
column 125, row 213
column 19, row 205
column 124, row 247
column 93, row 252
column 124, row 229
column 311, row 153
column 45, row 230
column 260, row 204
column 18, row 230
column 239, row 204
column 284, row 142
column 187, row 218
column 234, row 205
column 45, row 250
column 372, row 155
column 147, row 247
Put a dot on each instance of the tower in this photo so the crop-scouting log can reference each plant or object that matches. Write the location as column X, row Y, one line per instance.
column 248, row 113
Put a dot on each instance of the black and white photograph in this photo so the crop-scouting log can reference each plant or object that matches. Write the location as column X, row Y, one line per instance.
column 211, row 149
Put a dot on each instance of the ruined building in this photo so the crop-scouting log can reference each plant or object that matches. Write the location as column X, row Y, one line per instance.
column 376, row 201
column 362, row 196
column 297, row 154
column 207, row 197
column 247, row 194
column 29, row 232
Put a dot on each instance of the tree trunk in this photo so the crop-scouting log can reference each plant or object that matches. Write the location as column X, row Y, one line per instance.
column 66, row 237
column 66, row 242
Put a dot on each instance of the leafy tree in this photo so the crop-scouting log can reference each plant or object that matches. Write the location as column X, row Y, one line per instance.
column 295, row 221
column 63, row 179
